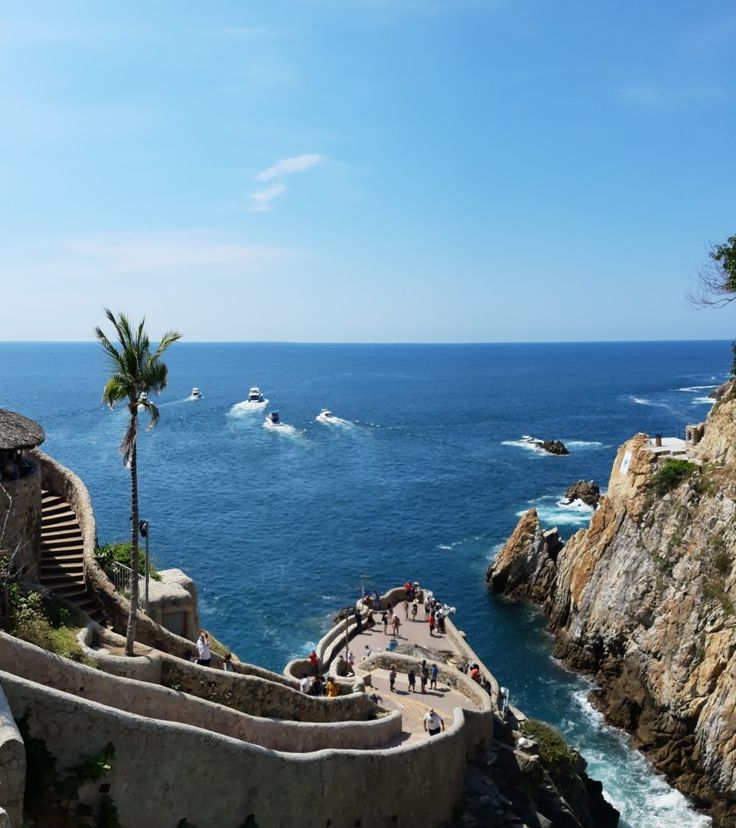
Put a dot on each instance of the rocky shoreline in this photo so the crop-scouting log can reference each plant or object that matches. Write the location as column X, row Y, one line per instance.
column 643, row 602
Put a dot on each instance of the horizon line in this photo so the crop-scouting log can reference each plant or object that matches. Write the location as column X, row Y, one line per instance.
column 387, row 342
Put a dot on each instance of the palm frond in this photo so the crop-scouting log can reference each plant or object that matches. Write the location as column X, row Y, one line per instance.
column 126, row 447
column 152, row 410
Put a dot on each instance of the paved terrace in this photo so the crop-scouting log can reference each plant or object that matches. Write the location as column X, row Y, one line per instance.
column 414, row 644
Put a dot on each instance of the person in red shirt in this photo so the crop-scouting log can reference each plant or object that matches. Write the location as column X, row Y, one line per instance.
column 475, row 673
column 314, row 661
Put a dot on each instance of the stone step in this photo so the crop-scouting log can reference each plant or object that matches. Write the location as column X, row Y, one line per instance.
column 62, row 541
column 56, row 531
column 57, row 520
column 53, row 548
column 52, row 507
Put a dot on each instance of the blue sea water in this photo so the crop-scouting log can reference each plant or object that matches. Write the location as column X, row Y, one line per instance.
column 424, row 481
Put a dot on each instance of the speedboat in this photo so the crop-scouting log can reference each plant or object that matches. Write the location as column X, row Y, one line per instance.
column 326, row 416
column 273, row 423
column 274, row 419
column 255, row 402
column 196, row 394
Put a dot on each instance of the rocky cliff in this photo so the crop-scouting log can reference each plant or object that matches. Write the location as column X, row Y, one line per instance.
column 644, row 601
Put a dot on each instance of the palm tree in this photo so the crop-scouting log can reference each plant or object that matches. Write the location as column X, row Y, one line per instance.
column 135, row 373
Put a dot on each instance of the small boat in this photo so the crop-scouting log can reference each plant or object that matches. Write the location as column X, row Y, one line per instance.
column 274, row 419
column 196, row 394
column 255, row 396
column 326, row 417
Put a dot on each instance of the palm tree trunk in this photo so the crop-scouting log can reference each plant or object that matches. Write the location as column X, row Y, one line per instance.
column 133, row 616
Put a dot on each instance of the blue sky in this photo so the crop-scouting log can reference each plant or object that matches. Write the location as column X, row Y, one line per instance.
column 365, row 170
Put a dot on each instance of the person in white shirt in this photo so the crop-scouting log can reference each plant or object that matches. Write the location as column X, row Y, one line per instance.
column 204, row 656
column 433, row 722
column 305, row 684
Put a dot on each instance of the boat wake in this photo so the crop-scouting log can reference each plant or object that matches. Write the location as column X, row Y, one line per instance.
column 702, row 401
column 284, row 429
column 245, row 408
column 332, row 420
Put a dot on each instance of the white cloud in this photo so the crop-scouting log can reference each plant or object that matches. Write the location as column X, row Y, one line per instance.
column 260, row 202
column 298, row 163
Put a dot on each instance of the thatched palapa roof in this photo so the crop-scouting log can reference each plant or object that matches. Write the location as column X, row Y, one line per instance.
column 18, row 432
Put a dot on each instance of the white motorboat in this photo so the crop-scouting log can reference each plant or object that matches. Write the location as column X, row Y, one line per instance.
column 326, row 417
column 196, row 394
column 255, row 402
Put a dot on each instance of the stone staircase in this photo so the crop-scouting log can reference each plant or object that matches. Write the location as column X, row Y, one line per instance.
column 62, row 554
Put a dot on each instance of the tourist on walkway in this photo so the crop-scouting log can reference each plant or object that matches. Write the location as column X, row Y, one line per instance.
column 358, row 621
column 433, row 673
column 430, row 621
column 414, row 608
column 424, row 676
column 396, row 623
column 427, row 608
column 433, row 722
column 350, row 658
column 475, row 673
column 314, row 662
column 384, row 621
column 317, row 688
column 333, row 691
column 412, row 677
column 304, row 684
column 204, row 655
column 392, row 678
column 406, row 609
column 368, row 652
column 227, row 663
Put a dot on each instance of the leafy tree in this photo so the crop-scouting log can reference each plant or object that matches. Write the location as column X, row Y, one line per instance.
column 135, row 372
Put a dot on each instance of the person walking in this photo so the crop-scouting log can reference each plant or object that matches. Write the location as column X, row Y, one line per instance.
column 412, row 678
column 406, row 609
column 424, row 676
column 384, row 621
column 414, row 607
column 433, row 673
column 392, row 678
column 430, row 621
column 396, row 623
column 204, row 654
column 433, row 722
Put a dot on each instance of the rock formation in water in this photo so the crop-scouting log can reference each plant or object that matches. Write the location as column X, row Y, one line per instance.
column 585, row 490
column 553, row 447
column 644, row 600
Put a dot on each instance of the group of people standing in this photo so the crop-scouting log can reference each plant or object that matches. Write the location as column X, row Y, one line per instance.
column 427, row 674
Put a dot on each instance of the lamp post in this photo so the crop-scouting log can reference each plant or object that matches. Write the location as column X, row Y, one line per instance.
column 143, row 527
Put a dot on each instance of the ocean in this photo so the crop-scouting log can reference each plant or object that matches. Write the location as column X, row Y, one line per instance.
column 423, row 479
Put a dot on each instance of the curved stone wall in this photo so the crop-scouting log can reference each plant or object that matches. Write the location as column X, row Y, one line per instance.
column 299, row 731
column 178, row 771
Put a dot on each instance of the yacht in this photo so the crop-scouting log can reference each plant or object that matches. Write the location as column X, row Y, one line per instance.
column 255, row 396
column 196, row 394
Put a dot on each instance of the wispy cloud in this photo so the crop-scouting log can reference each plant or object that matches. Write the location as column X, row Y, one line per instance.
column 261, row 202
column 298, row 163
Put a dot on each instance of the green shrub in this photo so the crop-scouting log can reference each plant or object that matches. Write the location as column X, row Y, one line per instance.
column 722, row 562
column 553, row 749
column 119, row 552
column 671, row 474
column 46, row 623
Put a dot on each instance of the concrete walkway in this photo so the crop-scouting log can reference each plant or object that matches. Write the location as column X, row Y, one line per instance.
column 413, row 706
